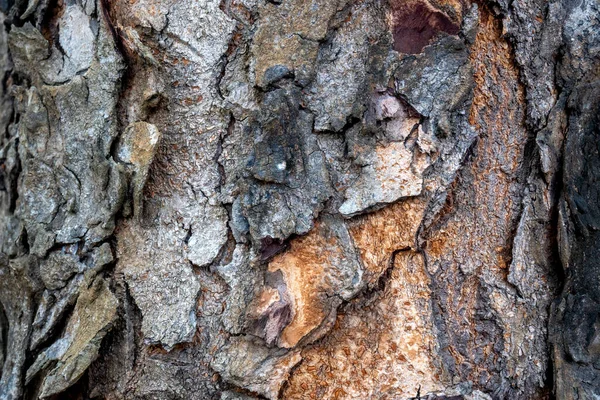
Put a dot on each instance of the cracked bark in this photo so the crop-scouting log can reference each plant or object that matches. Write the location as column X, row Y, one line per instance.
column 326, row 199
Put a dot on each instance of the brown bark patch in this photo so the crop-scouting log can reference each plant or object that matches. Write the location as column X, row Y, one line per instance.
column 377, row 235
column 382, row 345
column 416, row 23
column 305, row 270
column 468, row 249
column 311, row 267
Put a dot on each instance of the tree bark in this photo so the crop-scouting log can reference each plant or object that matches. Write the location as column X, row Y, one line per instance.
column 294, row 199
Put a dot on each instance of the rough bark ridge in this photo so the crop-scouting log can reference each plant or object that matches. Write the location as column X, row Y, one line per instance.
column 294, row 199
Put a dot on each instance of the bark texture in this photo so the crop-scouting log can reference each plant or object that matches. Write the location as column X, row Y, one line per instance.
column 299, row 199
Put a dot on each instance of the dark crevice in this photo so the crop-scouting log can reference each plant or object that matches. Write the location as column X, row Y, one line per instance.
column 6, row 83
column 25, row 240
column 351, row 121
column 78, row 391
column 219, row 152
column 3, row 336
column 236, row 41
column 385, row 277
column 188, row 235
column 3, row 182
column 133, row 319
column 105, row 13
column 532, row 168
column 270, row 247
column 286, row 383
column 225, row 255
column 55, row 331
column 75, row 248
column 222, row 69
column 437, row 213
column 14, row 180
column 50, row 19
column 446, row 360
column 557, row 268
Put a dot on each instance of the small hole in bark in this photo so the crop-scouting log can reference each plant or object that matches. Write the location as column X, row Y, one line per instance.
column 416, row 24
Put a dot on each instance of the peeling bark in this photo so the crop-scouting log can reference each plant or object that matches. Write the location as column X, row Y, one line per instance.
column 295, row 199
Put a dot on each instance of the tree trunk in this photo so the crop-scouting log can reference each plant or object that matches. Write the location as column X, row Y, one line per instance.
column 294, row 199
